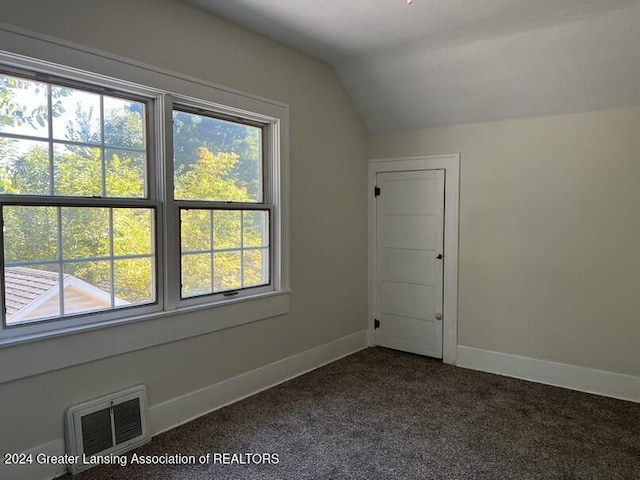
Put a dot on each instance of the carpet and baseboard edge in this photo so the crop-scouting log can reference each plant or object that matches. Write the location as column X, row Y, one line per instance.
column 182, row 409
column 185, row 408
column 590, row 380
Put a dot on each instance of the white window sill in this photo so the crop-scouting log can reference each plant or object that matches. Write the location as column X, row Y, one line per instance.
column 43, row 352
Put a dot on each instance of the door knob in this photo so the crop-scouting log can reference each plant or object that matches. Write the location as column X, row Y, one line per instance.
column 438, row 315
column 439, row 257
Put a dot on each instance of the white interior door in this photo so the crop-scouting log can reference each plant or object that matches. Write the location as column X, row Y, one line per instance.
column 409, row 251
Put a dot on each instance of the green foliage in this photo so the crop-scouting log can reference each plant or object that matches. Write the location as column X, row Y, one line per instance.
column 30, row 233
column 78, row 171
column 29, row 174
column 133, row 279
column 5, row 152
column 125, row 129
column 12, row 113
column 208, row 179
column 192, row 132
column 124, row 175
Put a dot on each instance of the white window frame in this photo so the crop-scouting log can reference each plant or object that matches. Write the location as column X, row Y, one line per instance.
column 152, row 200
column 270, row 153
column 198, row 315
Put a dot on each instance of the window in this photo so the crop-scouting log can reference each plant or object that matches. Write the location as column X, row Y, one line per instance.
column 110, row 213
column 78, row 222
column 224, row 219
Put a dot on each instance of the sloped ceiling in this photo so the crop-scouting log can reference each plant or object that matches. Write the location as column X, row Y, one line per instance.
column 442, row 62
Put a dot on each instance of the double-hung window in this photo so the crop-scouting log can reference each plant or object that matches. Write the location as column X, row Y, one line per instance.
column 223, row 203
column 120, row 201
column 79, row 213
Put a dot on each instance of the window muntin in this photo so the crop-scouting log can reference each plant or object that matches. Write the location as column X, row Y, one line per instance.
column 79, row 231
column 223, row 250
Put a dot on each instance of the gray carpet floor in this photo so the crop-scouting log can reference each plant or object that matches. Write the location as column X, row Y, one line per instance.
column 381, row 414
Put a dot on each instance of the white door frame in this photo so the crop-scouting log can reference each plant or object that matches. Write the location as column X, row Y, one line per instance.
column 450, row 163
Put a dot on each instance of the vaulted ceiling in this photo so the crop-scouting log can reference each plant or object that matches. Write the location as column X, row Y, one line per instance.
column 442, row 62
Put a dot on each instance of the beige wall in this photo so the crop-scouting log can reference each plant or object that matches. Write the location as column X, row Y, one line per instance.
column 549, row 234
column 328, row 205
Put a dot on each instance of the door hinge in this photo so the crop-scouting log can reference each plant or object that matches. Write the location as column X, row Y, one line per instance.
column 376, row 323
column 376, row 191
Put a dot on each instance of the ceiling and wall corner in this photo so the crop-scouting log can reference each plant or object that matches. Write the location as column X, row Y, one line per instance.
column 435, row 63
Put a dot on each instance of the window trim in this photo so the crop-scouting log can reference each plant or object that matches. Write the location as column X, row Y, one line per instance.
column 270, row 162
column 26, row 50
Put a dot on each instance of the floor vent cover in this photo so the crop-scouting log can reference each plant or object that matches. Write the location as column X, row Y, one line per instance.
column 106, row 426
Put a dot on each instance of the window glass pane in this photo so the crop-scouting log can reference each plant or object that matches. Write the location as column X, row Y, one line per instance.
column 77, row 170
column 85, row 232
column 31, row 293
column 240, row 249
column 227, row 267
column 23, row 107
column 195, row 230
column 255, row 268
column 196, row 274
column 132, row 231
column 125, row 173
column 134, row 281
column 24, row 167
column 124, row 123
column 216, row 159
column 87, row 287
column 77, row 115
column 255, row 228
column 30, row 234
column 227, row 231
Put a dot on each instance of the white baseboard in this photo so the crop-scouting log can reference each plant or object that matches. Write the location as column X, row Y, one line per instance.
column 600, row 382
column 177, row 411
column 185, row 408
